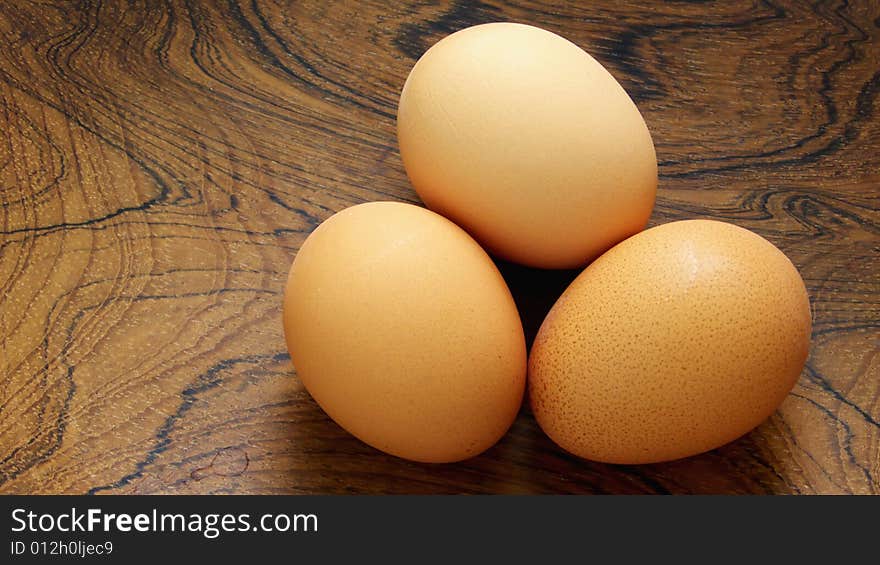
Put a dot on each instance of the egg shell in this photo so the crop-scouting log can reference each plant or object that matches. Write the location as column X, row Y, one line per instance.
column 527, row 142
column 676, row 341
column 402, row 329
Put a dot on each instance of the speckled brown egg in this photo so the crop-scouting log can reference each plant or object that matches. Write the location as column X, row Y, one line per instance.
column 402, row 329
column 674, row 342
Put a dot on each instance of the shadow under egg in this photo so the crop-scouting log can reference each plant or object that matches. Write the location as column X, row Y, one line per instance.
column 534, row 291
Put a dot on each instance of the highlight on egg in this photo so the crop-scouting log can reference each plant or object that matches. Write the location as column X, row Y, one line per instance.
column 527, row 142
column 402, row 329
column 676, row 341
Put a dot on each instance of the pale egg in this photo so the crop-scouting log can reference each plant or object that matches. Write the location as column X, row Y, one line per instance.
column 527, row 142
column 402, row 329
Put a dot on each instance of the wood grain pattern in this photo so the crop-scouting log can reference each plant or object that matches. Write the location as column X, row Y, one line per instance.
column 161, row 163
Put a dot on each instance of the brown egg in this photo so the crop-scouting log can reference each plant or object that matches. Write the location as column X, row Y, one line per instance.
column 528, row 143
column 676, row 341
column 402, row 329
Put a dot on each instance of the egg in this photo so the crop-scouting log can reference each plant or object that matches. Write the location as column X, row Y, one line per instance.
column 528, row 143
column 402, row 329
column 674, row 342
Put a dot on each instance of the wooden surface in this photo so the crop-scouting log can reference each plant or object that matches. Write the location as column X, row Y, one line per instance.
column 161, row 163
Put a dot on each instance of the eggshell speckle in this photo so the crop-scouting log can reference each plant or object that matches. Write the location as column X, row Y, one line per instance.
column 676, row 341
column 524, row 140
column 402, row 329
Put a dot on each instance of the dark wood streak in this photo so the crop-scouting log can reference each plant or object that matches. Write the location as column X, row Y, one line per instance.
column 162, row 162
column 203, row 383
